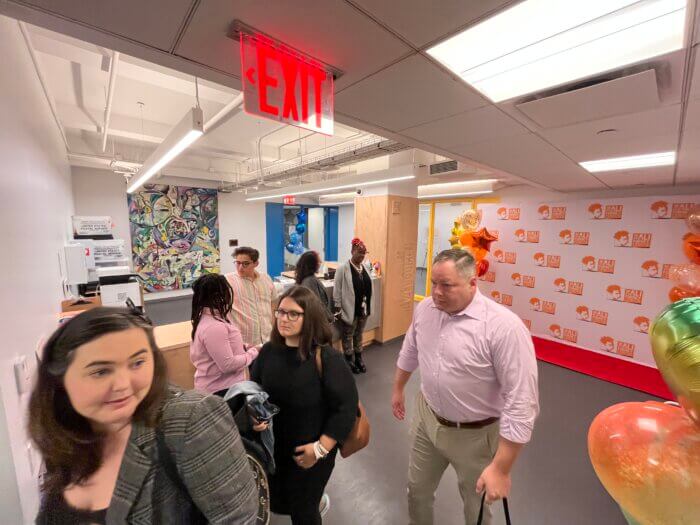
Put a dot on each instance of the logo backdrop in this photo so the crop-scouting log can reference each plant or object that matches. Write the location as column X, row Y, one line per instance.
column 590, row 273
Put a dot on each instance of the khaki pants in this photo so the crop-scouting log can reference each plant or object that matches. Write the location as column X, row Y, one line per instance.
column 436, row 446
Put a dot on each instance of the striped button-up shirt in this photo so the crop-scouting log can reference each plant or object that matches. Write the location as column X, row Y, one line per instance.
column 252, row 310
column 475, row 364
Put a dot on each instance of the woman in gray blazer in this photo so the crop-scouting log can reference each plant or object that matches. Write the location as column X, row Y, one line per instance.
column 119, row 445
column 352, row 296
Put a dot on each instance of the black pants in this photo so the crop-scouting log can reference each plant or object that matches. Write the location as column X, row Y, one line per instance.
column 352, row 335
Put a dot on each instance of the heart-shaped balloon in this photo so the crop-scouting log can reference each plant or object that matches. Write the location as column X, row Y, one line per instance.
column 647, row 456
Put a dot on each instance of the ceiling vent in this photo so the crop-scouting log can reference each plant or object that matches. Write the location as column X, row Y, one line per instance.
column 620, row 96
column 450, row 167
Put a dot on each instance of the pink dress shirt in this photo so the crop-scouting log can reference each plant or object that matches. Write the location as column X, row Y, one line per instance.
column 252, row 306
column 218, row 354
column 476, row 364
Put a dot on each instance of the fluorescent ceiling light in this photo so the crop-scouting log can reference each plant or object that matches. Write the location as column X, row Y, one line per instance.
column 439, row 185
column 327, row 188
column 666, row 158
column 457, row 194
column 189, row 129
column 539, row 44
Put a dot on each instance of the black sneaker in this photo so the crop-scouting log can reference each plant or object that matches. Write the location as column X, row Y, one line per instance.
column 351, row 363
column 359, row 363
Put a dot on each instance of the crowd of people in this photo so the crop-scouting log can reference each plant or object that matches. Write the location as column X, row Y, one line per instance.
column 121, row 445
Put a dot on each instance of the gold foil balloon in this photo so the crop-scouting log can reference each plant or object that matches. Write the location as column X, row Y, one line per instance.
column 457, row 232
column 470, row 220
column 647, row 456
column 675, row 343
column 693, row 220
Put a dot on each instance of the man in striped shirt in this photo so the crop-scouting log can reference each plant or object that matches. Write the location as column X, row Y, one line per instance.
column 254, row 297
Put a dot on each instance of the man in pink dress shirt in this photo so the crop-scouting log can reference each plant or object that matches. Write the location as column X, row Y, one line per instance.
column 478, row 399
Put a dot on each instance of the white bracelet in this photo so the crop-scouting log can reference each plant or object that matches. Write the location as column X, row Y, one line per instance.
column 319, row 451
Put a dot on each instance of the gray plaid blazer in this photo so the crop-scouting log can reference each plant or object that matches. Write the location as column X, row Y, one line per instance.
column 210, row 458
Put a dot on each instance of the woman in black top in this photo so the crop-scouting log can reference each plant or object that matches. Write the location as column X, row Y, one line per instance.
column 317, row 408
column 305, row 275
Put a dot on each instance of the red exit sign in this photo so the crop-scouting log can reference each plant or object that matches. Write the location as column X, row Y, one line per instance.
column 289, row 200
column 281, row 84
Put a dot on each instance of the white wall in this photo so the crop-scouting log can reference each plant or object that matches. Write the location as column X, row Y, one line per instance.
column 102, row 192
column 346, row 231
column 244, row 221
column 316, row 229
column 36, row 206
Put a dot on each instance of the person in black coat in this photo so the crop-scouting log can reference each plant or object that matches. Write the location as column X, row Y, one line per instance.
column 317, row 407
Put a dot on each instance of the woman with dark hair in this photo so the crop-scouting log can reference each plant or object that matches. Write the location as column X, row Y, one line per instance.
column 217, row 350
column 352, row 297
column 109, row 428
column 305, row 275
column 317, row 407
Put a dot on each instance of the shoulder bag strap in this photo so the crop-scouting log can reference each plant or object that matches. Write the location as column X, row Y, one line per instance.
column 505, row 510
column 319, row 362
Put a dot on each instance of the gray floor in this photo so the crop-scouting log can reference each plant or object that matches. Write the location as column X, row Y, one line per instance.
column 553, row 481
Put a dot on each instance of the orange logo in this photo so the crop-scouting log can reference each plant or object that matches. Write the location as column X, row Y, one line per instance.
column 591, row 264
column 641, row 324
column 527, row 281
column 677, row 210
column 505, row 257
column 623, row 239
column 489, row 277
column 508, row 214
column 555, row 213
column 502, row 298
column 578, row 238
column 538, row 305
column 624, row 295
column 608, row 344
column 583, row 313
column 547, row 261
column 567, row 334
column 610, row 211
column 656, row 270
column 571, row 287
column 527, row 236
column 527, row 323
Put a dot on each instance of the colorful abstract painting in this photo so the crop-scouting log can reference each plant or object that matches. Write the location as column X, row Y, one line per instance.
column 174, row 235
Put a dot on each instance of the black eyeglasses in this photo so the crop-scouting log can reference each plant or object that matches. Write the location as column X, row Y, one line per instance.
column 289, row 314
column 245, row 264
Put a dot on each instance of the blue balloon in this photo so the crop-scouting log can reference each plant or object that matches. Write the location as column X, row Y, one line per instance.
column 294, row 237
column 301, row 228
column 299, row 249
column 290, row 247
column 301, row 216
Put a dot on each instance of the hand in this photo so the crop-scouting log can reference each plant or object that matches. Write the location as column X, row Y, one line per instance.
column 495, row 482
column 260, row 427
column 398, row 404
column 305, row 456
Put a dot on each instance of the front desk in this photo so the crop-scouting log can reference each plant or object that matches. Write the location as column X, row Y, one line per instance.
column 174, row 339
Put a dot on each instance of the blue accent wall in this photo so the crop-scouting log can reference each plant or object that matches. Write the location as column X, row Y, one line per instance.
column 274, row 237
column 331, row 234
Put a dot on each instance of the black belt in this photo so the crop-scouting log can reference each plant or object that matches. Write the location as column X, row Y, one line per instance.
column 468, row 424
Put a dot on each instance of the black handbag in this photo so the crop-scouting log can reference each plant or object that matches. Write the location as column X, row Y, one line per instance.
column 481, row 510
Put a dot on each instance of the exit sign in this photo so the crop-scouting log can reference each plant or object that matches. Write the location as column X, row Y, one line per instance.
column 281, row 84
column 289, row 200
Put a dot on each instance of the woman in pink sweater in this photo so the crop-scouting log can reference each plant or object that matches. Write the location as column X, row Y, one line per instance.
column 217, row 350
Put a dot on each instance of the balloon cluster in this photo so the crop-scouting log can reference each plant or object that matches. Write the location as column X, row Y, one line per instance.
column 295, row 244
column 687, row 276
column 647, row 455
column 465, row 236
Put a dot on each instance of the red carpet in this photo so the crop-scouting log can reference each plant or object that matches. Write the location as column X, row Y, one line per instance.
column 601, row 366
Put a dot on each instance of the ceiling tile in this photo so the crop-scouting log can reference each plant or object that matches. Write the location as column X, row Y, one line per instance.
column 477, row 125
column 688, row 170
column 532, row 158
column 645, row 132
column 329, row 30
column 422, row 22
column 662, row 176
column 408, row 93
column 155, row 23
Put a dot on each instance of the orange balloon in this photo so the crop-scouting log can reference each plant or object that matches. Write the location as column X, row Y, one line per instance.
column 647, row 456
column 677, row 293
column 691, row 247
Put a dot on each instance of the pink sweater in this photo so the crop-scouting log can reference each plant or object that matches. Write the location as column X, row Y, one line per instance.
column 218, row 354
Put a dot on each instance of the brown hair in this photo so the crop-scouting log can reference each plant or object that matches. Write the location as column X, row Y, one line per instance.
column 315, row 331
column 247, row 250
column 71, row 449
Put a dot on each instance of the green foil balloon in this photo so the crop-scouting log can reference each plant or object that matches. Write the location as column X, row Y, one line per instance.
column 675, row 342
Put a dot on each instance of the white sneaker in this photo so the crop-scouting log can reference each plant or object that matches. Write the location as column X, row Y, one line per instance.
column 325, row 505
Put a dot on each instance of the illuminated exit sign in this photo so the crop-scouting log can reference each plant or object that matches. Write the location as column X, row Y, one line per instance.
column 290, row 200
column 281, row 84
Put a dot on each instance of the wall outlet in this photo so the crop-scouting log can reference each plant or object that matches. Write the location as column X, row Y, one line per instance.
column 232, row 242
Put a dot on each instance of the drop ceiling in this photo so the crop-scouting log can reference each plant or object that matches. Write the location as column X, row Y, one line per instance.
column 391, row 87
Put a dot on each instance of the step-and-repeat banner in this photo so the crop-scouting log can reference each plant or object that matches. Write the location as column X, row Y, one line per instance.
column 589, row 273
